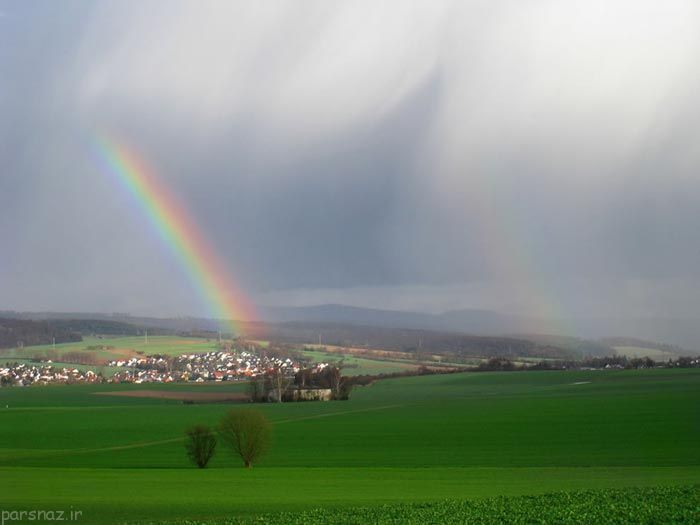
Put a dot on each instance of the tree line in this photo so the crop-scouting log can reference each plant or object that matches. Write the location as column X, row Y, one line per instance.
column 453, row 346
column 19, row 332
column 503, row 364
column 277, row 386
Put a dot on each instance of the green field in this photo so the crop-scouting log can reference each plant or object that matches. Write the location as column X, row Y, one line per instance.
column 603, row 506
column 118, row 347
column 355, row 366
column 638, row 351
column 105, row 370
column 408, row 440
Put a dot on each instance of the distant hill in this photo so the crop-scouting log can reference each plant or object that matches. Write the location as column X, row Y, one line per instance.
column 683, row 333
column 118, row 324
column 577, row 346
column 481, row 322
column 337, row 313
column 632, row 347
column 581, row 336
column 20, row 332
column 412, row 340
column 641, row 343
column 415, row 341
column 99, row 326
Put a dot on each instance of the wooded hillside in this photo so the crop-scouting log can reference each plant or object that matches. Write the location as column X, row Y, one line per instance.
column 17, row 332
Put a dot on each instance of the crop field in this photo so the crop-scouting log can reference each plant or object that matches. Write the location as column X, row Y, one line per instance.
column 404, row 444
column 606, row 506
column 638, row 351
column 354, row 366
column 106, row 348
column 106, row 370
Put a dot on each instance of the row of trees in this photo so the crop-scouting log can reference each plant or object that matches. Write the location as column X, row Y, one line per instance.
column 245, row 431
column 504, row 364
column 277, row 385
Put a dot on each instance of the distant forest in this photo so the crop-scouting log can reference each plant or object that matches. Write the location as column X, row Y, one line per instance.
column 455, row 345
column 459, row 347
column 104, row 327
column 17, row 332
column 25, row 332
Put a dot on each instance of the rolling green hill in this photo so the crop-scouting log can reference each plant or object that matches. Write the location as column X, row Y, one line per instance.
column 409, row 439
column 106, row 348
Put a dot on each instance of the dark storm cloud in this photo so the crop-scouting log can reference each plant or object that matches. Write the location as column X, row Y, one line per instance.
column 416, row 156
column 319, row 220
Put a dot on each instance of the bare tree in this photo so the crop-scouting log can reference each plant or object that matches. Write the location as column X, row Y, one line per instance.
column 257, row 390
column 280, row 382
column 200, row 444
column 339, row 384
column 247, row 432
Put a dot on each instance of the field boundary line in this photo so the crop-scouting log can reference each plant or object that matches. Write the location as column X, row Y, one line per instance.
column 329, row 414
column 77, row 451
column 143, row 444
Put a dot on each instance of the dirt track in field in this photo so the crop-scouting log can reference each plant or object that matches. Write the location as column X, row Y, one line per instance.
column 181, row 396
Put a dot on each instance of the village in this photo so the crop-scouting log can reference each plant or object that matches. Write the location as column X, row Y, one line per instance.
column 25, row 374
column 200, row 367
column 197, row 367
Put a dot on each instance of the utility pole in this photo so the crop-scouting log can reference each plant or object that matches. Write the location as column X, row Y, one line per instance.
column 319, row 339
column 145, row 336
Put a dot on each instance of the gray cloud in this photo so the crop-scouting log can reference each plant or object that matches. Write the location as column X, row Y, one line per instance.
column 537, row 158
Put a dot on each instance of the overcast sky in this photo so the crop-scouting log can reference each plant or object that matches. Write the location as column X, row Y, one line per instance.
column 531, row 157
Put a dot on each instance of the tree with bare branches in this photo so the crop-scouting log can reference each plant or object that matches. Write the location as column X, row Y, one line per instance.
column 200, row 444
column 279, row 382
column 247, row 432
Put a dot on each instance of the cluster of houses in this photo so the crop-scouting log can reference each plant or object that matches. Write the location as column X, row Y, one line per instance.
column 210, row 366
column 148, row 375
column 25, row 374
column 146, row 369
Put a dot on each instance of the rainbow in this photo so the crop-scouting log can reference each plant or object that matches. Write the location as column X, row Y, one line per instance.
column 177, row 230
column 512, row 258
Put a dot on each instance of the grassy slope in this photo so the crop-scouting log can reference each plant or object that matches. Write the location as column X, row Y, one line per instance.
column 106, row 370
column 638, row 351
column 109, row 495
column 355, row 366
column 169, row 345
column 422, row 438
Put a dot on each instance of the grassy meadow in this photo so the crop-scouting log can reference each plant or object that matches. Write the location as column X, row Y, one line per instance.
column 407, row 440
column 108, row 348
column 353, row 366
column 638, row 351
